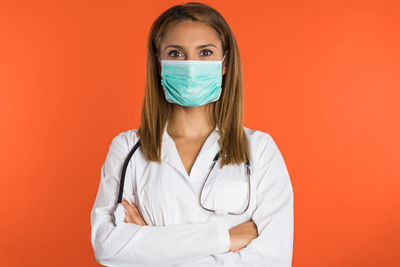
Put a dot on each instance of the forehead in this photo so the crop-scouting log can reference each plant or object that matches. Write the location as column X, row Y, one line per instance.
column 190, row 33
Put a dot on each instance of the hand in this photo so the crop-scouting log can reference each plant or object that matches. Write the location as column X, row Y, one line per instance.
column 132, row 214
column 242, row 234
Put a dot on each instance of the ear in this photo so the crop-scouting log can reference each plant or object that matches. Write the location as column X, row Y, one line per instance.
column 224, row 64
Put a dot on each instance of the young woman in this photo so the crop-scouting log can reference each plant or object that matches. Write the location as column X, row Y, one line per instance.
column 201, row 189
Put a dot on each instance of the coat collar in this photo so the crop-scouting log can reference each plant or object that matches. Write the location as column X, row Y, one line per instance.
column 170, row 155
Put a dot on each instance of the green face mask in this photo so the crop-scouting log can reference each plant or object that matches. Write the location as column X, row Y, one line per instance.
column 191, row 83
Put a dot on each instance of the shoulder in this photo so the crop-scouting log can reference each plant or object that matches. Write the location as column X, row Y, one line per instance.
column 261, row 145
column 258, row 140
column 124, row 140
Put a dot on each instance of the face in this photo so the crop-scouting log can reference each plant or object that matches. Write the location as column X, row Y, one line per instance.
column 191, row 41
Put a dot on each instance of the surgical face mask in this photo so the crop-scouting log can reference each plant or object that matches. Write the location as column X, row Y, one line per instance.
column 191, row 83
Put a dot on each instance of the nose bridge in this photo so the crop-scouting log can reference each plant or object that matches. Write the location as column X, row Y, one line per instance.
column 192, row 55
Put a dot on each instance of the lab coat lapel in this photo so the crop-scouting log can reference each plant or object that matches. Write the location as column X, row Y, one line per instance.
column 170, row 155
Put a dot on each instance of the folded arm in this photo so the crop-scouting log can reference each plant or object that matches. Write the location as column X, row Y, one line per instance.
column 128, row 243
column 273, row 214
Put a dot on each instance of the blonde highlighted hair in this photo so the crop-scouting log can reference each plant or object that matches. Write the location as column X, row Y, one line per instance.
column 226, row 112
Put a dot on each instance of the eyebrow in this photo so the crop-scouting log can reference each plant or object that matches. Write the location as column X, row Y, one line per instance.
column 180, row 47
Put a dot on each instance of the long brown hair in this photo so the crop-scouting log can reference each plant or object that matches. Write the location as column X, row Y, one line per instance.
column 226, row 112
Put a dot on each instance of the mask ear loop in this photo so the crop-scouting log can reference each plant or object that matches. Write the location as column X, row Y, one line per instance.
column 223, row 58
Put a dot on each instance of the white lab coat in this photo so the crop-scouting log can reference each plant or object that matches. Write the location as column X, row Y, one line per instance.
column 178, row 231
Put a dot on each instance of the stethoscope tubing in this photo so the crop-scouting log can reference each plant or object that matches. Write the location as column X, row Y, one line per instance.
column 221, row 212
column 128, row 158
column 218, row 212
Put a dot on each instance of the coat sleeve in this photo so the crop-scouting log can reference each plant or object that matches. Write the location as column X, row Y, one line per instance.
column 273, row 214
column 127, row 243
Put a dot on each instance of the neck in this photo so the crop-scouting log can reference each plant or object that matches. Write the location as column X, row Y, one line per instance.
column 189, row 122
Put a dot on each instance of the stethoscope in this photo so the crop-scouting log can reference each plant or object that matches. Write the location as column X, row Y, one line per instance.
column 120, row 210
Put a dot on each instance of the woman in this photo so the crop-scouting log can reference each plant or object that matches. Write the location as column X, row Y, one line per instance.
column 175, row 204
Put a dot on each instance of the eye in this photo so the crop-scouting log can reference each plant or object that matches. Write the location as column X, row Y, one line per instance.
column 208, row 52
column 173, row 53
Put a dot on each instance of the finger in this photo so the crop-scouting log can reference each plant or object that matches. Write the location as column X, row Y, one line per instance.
column 128, row 206
column 132, row 208
column 133, row 213
column 141, row 217
column 135, row 208
column 128, row 218
column 127, row 203
column 136, row 217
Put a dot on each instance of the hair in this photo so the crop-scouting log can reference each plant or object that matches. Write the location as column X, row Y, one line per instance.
column 226, row 112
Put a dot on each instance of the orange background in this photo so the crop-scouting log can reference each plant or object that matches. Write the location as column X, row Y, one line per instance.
column 322, row 77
